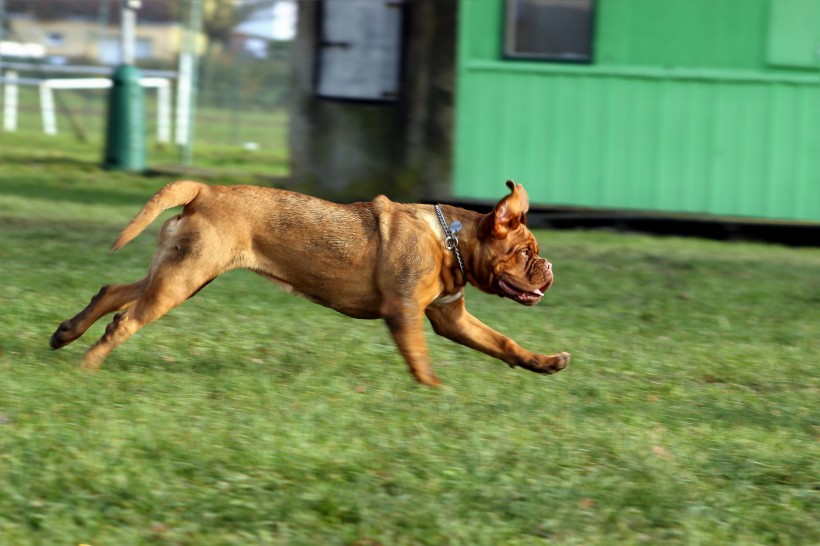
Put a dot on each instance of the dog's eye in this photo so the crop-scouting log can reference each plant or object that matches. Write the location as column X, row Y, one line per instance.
column 525, row 252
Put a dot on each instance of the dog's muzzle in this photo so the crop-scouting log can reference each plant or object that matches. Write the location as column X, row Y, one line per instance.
column 527, row 296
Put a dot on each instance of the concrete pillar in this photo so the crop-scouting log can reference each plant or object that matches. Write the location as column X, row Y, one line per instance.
column 357, row 150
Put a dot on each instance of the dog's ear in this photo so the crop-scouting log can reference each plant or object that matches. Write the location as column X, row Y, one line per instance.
column 508, row 214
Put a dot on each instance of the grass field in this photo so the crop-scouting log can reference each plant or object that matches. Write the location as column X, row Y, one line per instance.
column 247, row 416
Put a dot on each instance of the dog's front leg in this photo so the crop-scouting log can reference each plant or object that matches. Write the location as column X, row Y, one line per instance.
column 451, row 320
column 407, row 329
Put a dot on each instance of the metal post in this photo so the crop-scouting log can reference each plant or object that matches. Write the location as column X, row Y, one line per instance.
column 47, row 109
column 187, row 84
column 9, row 113
column 103, row 12
column 183, row 99
column 129, row 21
column 164, row 112
column 10, row 101
column 2, row 30
column 125, row 132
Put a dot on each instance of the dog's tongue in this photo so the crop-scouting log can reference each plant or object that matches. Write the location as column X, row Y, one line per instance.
column 537, row 292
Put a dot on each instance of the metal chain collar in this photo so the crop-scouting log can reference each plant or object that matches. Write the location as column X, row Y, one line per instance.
column 451, row 237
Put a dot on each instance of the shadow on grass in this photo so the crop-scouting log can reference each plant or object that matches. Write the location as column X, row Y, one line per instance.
column 59, row 191
column 61, row 179
column 55, row 161
column 69, row 231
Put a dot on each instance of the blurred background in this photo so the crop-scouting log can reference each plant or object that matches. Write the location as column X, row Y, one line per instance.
column 690, row 107
column 56, row 52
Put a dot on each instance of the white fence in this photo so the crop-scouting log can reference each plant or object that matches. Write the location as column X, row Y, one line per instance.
column 11, row 82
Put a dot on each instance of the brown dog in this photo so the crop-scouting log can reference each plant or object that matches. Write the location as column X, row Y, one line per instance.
column 367, row 260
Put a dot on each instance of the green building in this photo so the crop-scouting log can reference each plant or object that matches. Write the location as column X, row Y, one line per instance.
column 683, row 106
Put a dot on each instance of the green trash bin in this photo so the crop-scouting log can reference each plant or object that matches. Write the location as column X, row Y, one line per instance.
column 125, row 130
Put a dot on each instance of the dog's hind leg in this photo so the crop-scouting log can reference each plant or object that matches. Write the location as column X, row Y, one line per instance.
column 168, row 287
column 110, row 298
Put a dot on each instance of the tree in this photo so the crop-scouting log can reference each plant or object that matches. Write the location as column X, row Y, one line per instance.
column 220, row 17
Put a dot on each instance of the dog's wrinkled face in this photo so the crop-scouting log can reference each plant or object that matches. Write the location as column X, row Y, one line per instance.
column 510, row 265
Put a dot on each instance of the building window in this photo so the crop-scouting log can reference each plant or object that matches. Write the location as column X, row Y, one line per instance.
column 559, row 30
column 54, row 39
column 794, row 34
column 360, row 49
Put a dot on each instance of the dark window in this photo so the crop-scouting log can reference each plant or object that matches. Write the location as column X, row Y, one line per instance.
column 360, row 49
column 558, row 30
column 55, row 39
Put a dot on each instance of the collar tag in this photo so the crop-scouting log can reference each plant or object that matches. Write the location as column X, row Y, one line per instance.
column 451, row 237
column 455, row 227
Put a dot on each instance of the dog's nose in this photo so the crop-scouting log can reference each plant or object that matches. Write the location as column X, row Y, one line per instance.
column 547, row 264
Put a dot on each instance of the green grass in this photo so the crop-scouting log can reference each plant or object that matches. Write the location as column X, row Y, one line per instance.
column 247, row 416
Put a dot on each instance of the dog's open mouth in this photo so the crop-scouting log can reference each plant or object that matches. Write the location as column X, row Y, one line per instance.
column 526, row 297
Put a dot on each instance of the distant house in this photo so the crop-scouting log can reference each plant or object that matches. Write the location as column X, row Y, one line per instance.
column 79, row 30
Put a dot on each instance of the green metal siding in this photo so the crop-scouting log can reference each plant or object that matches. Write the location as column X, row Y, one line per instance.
column 691, row 138
column 689, row 33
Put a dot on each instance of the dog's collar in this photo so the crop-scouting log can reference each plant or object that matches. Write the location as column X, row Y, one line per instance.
column 451, row 237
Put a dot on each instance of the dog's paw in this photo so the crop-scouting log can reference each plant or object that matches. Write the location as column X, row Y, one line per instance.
column 548, row 365
column 428, row 380
column 62, row 336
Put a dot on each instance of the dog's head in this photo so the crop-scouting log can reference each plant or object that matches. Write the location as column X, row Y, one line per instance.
column 508, row 263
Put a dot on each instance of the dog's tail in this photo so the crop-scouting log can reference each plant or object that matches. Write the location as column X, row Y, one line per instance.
column 174, row 194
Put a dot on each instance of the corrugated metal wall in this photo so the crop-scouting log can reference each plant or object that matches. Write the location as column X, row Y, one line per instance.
column 698, row 140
